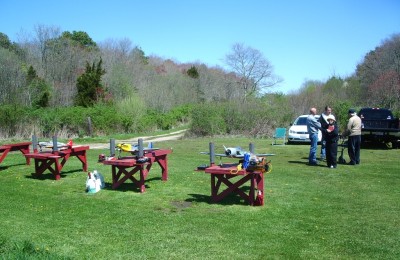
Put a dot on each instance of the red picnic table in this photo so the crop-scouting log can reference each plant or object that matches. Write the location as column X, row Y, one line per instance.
column 23, row 147
column 226, row 173
column 125, row 168
column 50, row 160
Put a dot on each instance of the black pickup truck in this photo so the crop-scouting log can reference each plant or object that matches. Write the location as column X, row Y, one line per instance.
column 379, row 125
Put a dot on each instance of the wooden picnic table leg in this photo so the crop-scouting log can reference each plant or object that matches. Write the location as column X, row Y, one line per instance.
column 144, row 171
column 38, row 167
column 5, row 152
column 64, row 160
column 231, row 187
column 82, row 157
column 143, row 174
column 214, row 189
column 57, row 168
column 25, row 150
column 234, row 187
column 47, row 164
column 41, row 165
column 260, row 190
column 163, row 162
column 116, row 176
column 252, row 189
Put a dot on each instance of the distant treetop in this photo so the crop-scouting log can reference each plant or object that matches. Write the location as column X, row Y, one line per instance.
column 81, row 37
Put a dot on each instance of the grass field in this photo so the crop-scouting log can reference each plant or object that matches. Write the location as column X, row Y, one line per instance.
column 351, row 212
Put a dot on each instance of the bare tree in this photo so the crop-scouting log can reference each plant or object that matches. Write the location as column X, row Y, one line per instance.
column 12, row 78
column 379, row 74
column 254, row 71
column 43, row 35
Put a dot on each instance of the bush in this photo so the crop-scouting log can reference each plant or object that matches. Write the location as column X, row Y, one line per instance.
column 208, row 120
column 254, row 118
column 11, row 118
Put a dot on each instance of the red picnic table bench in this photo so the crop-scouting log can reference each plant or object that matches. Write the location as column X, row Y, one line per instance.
column 226, row 173
column 51, row 160
column 125, row 167
column 23, row 147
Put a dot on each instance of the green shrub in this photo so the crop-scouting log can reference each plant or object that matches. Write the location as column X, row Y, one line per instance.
column 208, row 120
column 252, row 118
column 11, row 117
column 131, row 111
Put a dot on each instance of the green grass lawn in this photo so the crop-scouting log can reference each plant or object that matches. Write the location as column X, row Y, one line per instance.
column 351, row 212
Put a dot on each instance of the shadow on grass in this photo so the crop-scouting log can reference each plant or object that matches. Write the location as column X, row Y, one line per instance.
column 49, row 176
column 320, row 164
column 128, row 185
column 5, row 167
column 231, row 199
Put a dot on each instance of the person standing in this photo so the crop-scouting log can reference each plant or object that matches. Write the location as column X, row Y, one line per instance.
column 324, row 122
column 312, row 127
column 353, row 131
column 331, row 132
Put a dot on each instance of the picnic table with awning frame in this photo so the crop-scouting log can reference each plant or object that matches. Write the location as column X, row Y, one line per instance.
column 23, row 147
column 55, row 159
column 233, row 178
column 125, row 168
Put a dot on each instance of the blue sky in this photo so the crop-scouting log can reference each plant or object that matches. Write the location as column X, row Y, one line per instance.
column 302, row 39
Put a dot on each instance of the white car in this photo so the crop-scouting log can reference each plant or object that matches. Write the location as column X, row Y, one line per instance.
column 298, row 131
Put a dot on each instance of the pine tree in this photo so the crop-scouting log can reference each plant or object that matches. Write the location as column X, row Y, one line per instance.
column 90, row 89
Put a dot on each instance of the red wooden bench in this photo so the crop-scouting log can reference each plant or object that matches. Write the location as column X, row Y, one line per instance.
column 225, row 174
column 125, row 168
column 51, row 160
column 23, row 147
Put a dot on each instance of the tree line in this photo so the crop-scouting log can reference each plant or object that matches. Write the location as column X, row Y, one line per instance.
column 54, row 71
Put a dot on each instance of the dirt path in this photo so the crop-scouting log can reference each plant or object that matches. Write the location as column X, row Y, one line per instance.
column 156, row 138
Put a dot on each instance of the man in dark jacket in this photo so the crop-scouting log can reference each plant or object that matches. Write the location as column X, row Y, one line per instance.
column 331, row 132
column 324, row 122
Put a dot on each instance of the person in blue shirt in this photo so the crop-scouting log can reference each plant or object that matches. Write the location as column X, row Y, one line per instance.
column 312, row 127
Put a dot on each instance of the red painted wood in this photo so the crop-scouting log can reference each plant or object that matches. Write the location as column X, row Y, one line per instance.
column 233, row 180
column 23, row 147
column 126, row 168
column 50, row 160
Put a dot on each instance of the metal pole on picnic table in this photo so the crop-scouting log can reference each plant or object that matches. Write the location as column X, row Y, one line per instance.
column 212, row 153
column 34, row 143
column 251, row 148
column 112, row 147
column 140, row 144
column 55, row 146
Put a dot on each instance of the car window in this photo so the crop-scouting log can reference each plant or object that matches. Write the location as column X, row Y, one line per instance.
column 301, row 121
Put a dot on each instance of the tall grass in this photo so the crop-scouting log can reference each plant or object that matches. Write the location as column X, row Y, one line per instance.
column 310, row 212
